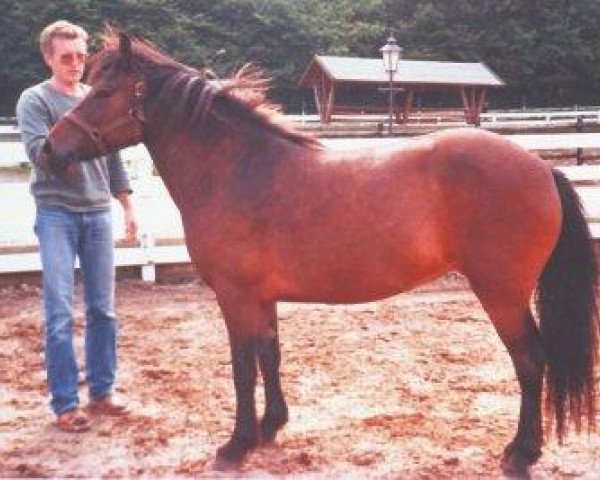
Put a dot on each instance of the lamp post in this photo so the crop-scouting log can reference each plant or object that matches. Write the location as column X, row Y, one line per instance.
column 391, row 53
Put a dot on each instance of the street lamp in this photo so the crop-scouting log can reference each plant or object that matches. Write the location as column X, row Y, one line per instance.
column 391, row 53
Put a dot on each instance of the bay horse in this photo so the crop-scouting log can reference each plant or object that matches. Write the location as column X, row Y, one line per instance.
column 271, row 215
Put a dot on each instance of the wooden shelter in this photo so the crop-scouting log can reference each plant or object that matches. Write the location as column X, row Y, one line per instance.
column 328, row 76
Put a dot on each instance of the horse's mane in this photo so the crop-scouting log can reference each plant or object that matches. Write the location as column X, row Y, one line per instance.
column 244, row 92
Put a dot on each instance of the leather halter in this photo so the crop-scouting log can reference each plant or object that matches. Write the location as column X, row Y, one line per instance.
column 134, row 117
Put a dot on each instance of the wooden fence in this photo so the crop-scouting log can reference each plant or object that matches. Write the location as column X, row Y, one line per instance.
column 161, row 232
column 494, row 119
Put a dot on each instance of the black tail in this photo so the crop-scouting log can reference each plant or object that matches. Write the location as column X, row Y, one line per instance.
column 566, row 302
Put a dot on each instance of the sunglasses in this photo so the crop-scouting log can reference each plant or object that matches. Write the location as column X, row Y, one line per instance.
column 71, row 58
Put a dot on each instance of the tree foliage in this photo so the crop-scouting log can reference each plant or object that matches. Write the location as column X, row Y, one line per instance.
column 546, row 50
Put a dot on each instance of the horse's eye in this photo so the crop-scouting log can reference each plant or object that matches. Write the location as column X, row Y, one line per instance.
column 106, row 67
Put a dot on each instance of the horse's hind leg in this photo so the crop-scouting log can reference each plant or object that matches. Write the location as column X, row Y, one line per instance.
column 269, row 359
column 517, row 330
column 527, row 355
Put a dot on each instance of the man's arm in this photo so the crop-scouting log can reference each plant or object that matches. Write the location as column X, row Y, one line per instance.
column 121, row 190
column 35, row 121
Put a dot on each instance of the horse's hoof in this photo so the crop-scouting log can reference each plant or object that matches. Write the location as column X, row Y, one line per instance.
column 515, row 467
column 516, row 462
column 269, row 427
column 231, row 455
column 222, row 464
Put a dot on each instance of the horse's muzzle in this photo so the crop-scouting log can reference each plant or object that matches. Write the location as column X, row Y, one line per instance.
column 44, row 156
column 48, row 159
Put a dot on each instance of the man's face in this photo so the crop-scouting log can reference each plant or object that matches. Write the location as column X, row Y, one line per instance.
column 67, row 59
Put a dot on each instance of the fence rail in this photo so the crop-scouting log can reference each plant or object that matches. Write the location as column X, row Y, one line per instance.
column 533, row 117
column 587, row 116
column 146, row 254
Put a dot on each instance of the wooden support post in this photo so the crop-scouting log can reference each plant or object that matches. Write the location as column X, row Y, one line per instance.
column 324, row 98
column 330, row 99
column 478, row 108
column 320, row 89
column 317, row 89
column 473, row 104
column 408, row 100
column 466, row 106
column 472, row 98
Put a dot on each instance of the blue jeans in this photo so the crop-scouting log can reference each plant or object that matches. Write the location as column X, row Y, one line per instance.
column 63, row 236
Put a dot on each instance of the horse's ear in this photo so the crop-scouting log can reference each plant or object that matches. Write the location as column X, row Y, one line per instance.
column 125, row 46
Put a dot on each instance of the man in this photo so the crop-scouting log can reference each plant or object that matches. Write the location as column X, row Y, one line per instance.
column 73, row 219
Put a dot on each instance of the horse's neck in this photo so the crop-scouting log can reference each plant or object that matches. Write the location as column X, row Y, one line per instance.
column 190, row 165
column 195, row 163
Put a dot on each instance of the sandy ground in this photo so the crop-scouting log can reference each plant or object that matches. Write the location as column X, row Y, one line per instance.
column 416, row 386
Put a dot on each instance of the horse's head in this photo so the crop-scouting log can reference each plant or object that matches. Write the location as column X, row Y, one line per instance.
column 139, row 93
column 110, row 117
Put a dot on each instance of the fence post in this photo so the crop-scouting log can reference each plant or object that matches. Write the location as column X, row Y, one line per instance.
column 148, row 267
column 579, row 129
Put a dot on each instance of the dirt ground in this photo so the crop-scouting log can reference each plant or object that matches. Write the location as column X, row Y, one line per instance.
column 416, row 386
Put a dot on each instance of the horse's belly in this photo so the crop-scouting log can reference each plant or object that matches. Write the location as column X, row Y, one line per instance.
column 360, row 278
column 347, row 294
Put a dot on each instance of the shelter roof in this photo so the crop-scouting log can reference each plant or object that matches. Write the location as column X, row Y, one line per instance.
column 423, row 72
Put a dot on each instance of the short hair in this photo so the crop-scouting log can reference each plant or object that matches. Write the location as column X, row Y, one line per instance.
column 60, row 29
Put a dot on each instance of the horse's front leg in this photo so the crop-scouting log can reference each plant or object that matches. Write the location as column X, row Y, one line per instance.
column 245, row 434
column 247, row 321
column 269, row 357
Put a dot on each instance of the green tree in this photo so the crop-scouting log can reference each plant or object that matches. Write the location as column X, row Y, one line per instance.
column 546, row 50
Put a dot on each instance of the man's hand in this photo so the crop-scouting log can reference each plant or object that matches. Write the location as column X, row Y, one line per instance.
column 131, row 224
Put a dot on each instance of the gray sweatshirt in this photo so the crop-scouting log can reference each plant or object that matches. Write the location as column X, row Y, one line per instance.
column 90, row 188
